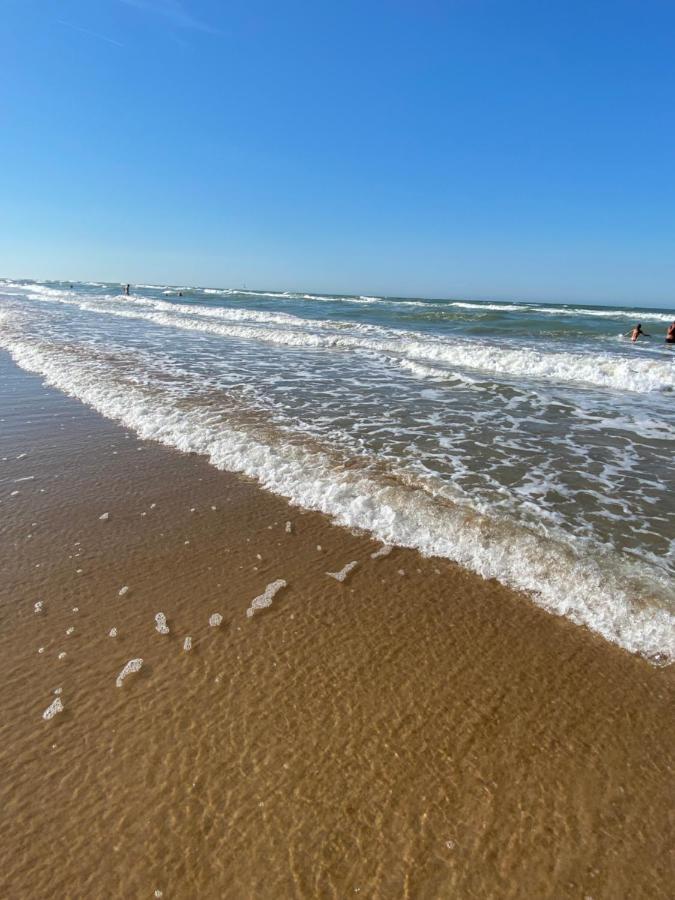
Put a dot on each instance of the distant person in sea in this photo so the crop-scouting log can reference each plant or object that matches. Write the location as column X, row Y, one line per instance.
column 670, row 334
column 638, row 332
column 126, row 289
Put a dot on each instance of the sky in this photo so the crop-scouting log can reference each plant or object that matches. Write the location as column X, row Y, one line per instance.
column 466, row 148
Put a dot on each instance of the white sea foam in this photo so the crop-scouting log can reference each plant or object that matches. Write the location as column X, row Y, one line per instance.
column 160, row 623
column 55, row 707
column 383, row 551
column 637, row 315
column 491, row 307
column 622, row 600
column 134, row 665
column 187, row 644
column 436, row 372
column 215, row 620
column 634, row 314
column 601, row 370
column 344, row 572
column 265, row 599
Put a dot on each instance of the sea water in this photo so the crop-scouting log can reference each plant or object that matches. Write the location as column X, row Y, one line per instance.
column 530, row 442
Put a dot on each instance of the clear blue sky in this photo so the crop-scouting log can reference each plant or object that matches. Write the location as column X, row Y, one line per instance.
column 477, row 148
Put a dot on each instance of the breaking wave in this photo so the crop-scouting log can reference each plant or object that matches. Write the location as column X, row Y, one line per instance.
column 603, row 370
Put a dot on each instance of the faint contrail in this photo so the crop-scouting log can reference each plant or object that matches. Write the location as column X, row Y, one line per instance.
column 174, row 11
column 101, row 37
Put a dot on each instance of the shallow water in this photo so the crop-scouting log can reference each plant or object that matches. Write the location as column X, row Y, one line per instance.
column 529, row 442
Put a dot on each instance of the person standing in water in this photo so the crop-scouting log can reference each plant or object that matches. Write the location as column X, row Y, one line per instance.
column 638, row 332
column 126, row 289
column 670, row 334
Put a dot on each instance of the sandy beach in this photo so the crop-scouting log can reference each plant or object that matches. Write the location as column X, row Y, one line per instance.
column 411, row 731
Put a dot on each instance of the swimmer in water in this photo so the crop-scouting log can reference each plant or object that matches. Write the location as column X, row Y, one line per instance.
column 637, row 332
column 670, row 334
column 126, row 289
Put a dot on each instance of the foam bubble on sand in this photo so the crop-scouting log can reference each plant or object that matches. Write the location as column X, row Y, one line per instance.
column 215, row 620
column 265, row 599
column 70, row 630
column 123, row 590
column 187, row 644
column 385, row 550
column 289, row 528
column 14, row 493
column 134, row 665
column 112, row 632
column 37, row 607
column 342, row 574
column 62, row 654
column 104, row 517
column 160, row 623
column 53, row 709
column 41, row 649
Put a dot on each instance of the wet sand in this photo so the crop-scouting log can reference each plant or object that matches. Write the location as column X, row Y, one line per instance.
column 414, row 731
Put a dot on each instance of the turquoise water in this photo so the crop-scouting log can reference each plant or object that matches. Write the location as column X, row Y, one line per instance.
column 530, row 442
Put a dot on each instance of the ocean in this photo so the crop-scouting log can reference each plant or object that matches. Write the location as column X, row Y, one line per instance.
column 531, row 443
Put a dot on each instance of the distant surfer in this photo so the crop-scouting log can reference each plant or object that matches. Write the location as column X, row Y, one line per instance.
column 638, row 332
column 126, row 289
column 670, row 334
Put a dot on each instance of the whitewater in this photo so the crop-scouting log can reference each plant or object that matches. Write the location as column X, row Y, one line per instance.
column 531, row 443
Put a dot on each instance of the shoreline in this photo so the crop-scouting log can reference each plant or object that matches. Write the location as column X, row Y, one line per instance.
column 423, row 734
column 613, row 595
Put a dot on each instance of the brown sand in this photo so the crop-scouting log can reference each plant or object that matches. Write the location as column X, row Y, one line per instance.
column 413, row 732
